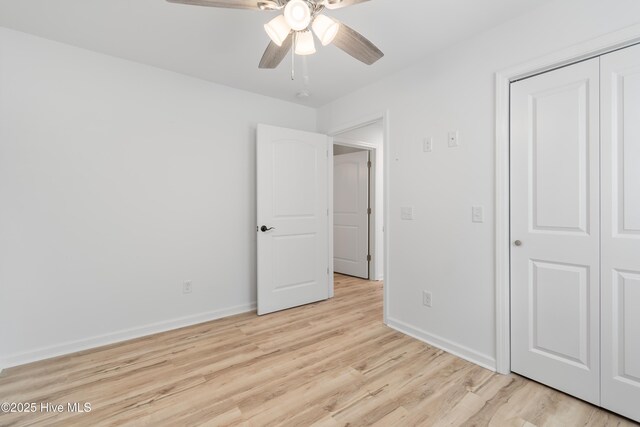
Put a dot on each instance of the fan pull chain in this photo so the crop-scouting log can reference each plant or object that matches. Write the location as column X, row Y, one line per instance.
column 293, row 56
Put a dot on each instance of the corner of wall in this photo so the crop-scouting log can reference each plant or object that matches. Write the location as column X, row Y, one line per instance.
column 456, row 349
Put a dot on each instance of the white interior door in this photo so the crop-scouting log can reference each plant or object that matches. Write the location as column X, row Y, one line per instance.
column 350, row 214
column 293, row 256
column 621, row 231
column 555, row 229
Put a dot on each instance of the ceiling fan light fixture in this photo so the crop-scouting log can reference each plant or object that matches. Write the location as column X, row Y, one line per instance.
column 297, row 14
column 305, row 44
column 278, row 30
column 268, row 5
column 325, row 28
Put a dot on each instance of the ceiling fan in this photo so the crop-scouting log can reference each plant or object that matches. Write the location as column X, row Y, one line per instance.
column 293, row 28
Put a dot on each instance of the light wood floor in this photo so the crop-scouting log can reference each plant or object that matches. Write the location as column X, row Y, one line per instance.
column 331, row 364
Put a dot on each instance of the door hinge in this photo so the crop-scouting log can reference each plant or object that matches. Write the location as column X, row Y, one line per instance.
column 368, row 257
column 369, row 211
column 327, row 271
column 369, row 164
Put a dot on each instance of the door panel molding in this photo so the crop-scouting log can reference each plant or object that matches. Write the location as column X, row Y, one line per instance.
column 626, row 157
column 555, row 207
column 626, row 297
column 564, row 347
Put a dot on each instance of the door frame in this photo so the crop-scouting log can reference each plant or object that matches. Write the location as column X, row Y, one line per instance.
column 380, row 151
column 376, row 264
column 590, row 49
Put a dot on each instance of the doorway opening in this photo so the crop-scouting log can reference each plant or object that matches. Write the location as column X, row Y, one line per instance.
column 358, row 248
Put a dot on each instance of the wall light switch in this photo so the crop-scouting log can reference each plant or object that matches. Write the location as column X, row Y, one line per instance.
column 187, row 287
column 477, row 214
column 428, row 145
column 454, row 139
column 406, row 213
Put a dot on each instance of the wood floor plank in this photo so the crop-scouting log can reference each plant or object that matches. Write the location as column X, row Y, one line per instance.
column 332, row 363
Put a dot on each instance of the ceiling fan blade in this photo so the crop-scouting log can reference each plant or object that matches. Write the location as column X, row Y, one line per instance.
column 274, row 54
column 356, row 45
column 230, row 4
column 337, row 4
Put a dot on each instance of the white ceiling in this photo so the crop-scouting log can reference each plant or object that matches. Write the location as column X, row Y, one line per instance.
column 225, row 46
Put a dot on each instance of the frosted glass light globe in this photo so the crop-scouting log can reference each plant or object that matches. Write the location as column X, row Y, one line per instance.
column 305, row 44
column 325, row 28
column 278, row 30
column 297, row 14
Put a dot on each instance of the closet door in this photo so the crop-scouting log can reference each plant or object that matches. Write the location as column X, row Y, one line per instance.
column 555, row 224
column 621, row 232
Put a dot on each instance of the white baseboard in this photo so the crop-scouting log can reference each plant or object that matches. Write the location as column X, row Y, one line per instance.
column 119, row 336
column 461, row 351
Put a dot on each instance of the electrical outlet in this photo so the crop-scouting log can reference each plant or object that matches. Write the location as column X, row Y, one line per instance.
column 426, row 298
column 187, row 287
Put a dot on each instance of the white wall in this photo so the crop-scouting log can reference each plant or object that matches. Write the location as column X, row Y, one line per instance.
column 442, row 250
column 118, row 182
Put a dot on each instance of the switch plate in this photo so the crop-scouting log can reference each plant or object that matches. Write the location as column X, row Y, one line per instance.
column 427, row 298
column 454, row 139
column 187, row 287
column 477, row 214
column 406, row 213
column 427, row 145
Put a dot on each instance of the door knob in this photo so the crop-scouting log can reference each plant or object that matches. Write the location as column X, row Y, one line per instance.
column 517, row 243
column 264, row 228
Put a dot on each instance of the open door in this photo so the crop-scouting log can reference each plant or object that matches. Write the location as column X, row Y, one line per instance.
column 293, row 218
column 351, row 214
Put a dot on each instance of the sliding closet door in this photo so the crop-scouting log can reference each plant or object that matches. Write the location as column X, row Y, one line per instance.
column 555, row 225
column 621, row 231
